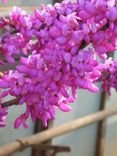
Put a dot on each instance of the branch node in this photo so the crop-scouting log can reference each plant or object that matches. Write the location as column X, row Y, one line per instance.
column 23, row 144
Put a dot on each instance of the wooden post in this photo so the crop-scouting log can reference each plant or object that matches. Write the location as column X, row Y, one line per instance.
column 38, row 129
column 101, row 129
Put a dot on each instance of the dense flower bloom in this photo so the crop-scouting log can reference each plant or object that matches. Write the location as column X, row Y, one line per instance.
column 58, row 48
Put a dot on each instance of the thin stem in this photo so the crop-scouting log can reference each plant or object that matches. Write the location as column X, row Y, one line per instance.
column 11, row 102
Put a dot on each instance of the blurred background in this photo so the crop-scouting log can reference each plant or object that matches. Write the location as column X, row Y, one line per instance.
column 82, row 141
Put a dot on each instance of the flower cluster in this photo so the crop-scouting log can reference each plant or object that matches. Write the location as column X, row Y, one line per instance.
column 109, row 76
column 43, row 81
column 58, row 48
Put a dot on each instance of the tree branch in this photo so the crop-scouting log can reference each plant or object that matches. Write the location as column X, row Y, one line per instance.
column 11, row 102
column 36, row 139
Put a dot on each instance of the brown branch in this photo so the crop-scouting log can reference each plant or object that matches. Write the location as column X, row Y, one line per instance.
column 101, row 132
column 51, row 150
column 11, row 102
column 52, row 147
column 39, row 128
column 57, row 131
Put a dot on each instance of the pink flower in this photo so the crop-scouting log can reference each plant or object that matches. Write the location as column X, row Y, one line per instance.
column 59, row 46
column 21, row 120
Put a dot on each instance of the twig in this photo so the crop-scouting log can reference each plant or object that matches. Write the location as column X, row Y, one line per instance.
column 11, row 102
column 57, row 131
column 52, row 147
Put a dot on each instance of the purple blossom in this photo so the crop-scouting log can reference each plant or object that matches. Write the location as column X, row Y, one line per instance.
column 109, row 76
column 58, row 48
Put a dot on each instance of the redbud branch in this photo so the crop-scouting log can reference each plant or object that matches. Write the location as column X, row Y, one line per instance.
column 11, row 102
